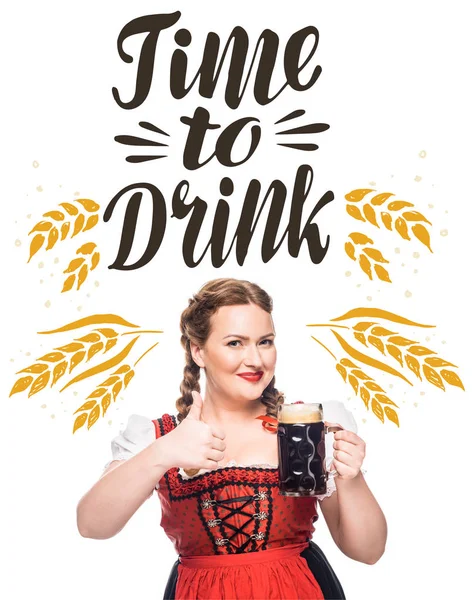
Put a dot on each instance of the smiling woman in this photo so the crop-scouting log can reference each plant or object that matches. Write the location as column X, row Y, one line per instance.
column 216, row 468
column 228, row 331
column 246, row 355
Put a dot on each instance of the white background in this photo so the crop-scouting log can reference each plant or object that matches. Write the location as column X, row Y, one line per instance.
column 395, row 83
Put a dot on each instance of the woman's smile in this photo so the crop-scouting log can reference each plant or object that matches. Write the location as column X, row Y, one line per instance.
column 255, row 376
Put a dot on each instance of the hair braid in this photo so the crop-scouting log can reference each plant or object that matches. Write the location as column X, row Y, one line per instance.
column 191, row 381
column 272, row 399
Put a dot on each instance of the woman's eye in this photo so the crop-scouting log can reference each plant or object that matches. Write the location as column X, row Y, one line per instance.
column 234, row 343
column 267, row 342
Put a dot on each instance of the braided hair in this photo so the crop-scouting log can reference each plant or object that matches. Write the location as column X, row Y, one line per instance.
column 195, row 328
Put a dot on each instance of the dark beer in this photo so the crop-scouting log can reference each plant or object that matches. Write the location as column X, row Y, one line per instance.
column 301, row 447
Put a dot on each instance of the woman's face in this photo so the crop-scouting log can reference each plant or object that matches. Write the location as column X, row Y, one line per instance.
column 239, row 356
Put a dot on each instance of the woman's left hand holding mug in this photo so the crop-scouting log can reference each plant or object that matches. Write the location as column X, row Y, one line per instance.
column 348, row 454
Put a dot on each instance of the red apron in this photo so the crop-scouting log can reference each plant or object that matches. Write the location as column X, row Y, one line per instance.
column 277, row 573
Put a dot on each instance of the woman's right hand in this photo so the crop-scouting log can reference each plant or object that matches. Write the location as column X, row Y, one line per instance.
column 192, row 444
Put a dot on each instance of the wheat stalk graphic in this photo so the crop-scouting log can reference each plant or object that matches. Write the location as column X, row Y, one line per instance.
column 104, row 392
column 393, row 218
column 367, row 256
column 58, row 224
column 397, row 216
column 417, row 358
column 100, row 398
column 81, row 267
column 369, row 391
column 408, row 353
column 62, row 360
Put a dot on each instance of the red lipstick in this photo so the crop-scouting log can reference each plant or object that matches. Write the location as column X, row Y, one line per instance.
column 252, row 376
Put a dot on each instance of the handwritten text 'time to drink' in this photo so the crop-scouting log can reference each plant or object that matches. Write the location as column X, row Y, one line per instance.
column 241, row 68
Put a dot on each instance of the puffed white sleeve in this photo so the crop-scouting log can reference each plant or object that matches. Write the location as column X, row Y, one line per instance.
column 335, row 412
column 136, row 436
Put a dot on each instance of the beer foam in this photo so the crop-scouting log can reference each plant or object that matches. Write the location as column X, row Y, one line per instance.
column 300, row 413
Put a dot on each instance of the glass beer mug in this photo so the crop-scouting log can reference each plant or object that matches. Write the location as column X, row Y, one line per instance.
column 301, row 448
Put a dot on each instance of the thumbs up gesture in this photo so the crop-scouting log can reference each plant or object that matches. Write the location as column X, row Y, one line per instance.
column 193, row 445
column 195, row 411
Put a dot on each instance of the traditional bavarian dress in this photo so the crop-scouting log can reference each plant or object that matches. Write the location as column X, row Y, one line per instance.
column 236, row 537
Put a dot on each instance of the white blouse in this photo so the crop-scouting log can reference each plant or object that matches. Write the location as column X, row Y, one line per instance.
column 140, row 432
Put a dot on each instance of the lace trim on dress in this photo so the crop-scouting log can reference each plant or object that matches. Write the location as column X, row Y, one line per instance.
column 180, row 489
column 230, row 464
column 331, row 486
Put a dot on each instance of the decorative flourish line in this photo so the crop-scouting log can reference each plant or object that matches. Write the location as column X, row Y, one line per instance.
column 293, row 115
column 328, row 325
column 151, row 127
column 145, row 158
column 311, row 128
column 325, row 347
column 302, row 130
column 148, row 350
column 304, row 147
column 142, row 331
column 132, row 140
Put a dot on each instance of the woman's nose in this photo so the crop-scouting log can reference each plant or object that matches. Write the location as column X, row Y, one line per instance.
column 253, row 357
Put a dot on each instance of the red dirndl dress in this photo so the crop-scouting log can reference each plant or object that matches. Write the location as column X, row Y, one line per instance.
column 235, row 535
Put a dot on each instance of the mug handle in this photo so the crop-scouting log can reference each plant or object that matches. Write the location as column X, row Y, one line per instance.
column 332, row 428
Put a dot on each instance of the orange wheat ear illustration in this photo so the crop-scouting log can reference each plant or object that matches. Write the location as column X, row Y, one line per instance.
column 100, row 337
column 370, row 259
column 366, row 326
column 67, row 222
column 393, row 217
column 100, row 398
column 397, row 216
column 369, row 391
column 59, row 224
column 80, row 267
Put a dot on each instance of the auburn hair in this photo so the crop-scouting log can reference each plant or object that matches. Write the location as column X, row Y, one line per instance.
column 195, row 328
